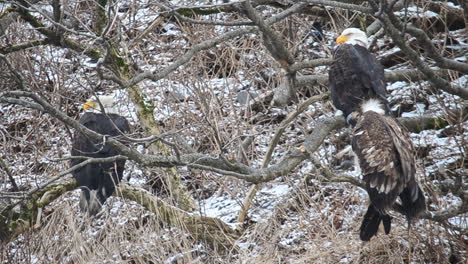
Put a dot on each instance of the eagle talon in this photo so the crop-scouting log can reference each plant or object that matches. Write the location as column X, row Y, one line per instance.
column 352, row 118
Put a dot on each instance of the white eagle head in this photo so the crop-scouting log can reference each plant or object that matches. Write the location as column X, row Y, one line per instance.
column 106, row 101
column 353, row 36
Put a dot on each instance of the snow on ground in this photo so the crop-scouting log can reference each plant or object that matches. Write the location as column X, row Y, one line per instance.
column 415, row 11
column 322, row 210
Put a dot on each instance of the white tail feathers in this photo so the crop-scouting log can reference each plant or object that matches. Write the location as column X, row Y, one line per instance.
column 93, row 205
column 373, row 105
column 346, row 151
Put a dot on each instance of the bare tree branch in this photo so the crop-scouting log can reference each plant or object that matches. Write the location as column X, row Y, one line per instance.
column 338, row 4
column 310, row 64
column 393, row 76
column 394, row 28
column 18, row 78
column 283, row 125
column 155, row 76
column 272, row 41
column 23, row 46
column 218, row 165
column 62, row 174
column 126, row 44
column 7, row 170
column 210, row 230
column 434, row 53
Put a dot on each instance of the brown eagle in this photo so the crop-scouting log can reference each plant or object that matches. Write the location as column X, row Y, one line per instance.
column 387, row 161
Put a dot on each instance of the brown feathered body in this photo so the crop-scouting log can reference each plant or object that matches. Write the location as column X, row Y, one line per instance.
column 387, row 161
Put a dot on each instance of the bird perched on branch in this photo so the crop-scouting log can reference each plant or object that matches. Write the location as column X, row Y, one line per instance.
column 316, row 32
column 355, row 74
column 383, row 148
column 98, row 180
column 387, row 161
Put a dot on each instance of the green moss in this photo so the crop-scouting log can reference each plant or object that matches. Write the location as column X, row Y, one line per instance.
column 434, row 123
column 148, row 106
column 12, row 225
column 100, row 19
column 117, row 62
column 6, row 12
column 50, row 193
column 95, row 54
column 145, row 104
column 122, row 64
column 440, row 123
column 16, row 222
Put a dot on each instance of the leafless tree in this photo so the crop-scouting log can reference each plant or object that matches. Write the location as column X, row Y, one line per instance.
column 180, row 68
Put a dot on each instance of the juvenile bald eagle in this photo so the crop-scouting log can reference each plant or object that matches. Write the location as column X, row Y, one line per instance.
column 387, row 161
column 97, row 180
column 355, row 74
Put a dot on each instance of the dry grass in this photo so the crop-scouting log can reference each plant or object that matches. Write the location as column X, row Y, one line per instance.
column 312, row 225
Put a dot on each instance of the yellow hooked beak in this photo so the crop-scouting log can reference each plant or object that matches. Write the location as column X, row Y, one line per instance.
column 341, row 39
column 88, row 105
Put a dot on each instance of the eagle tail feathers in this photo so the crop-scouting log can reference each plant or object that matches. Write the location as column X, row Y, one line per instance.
column 413, row 202
column 387, row 223
column 371, row 222
column 91, row 201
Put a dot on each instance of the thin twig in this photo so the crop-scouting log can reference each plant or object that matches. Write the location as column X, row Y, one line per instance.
column 5, row 167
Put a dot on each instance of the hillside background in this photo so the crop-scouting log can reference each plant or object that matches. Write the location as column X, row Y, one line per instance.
column 232, row 157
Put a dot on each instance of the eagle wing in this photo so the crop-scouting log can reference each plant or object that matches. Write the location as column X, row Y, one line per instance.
column 371, row 72
column 388, row 164
column 111, row 125
column 355, row 75
column 404, row 147
column 376, row 144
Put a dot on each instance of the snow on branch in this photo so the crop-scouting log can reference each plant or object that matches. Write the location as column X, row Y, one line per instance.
column 393, row 76
column 195, row 49
column 340, row 4
column 211, row 230
column 222, row 165
column 395, row 28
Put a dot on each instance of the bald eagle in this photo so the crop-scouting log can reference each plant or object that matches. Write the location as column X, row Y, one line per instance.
column 387, row 162
column 98, row 180
column 355, row 74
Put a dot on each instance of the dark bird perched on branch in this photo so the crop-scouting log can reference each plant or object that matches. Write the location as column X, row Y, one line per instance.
column 316, row 32
column 98, row 180
column 355, row 74
column 387, row 161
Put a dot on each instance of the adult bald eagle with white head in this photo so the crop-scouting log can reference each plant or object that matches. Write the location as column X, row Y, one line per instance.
column 355, row 74
column 98, row 180
column 387, row 161
column 383, row 148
